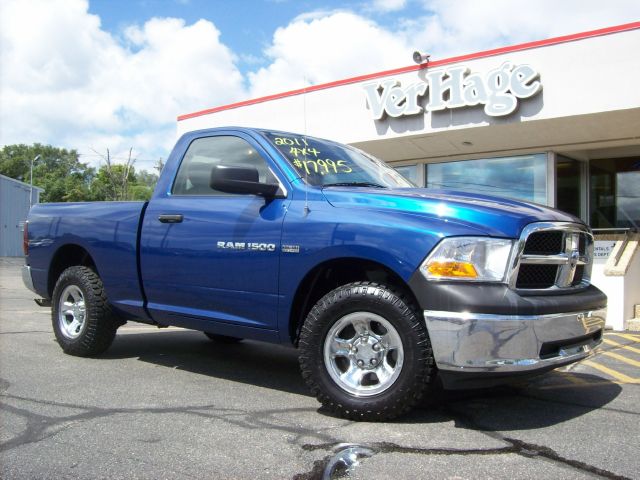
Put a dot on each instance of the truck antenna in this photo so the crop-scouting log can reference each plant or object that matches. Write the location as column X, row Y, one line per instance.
column 306, row 178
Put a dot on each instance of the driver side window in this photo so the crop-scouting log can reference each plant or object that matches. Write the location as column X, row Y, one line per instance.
column 194, row 174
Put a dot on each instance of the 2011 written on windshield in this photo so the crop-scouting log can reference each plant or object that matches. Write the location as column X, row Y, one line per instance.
column 300, row 151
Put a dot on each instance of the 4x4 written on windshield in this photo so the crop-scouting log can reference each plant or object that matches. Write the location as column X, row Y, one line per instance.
column 307, row 157
column 326, row 163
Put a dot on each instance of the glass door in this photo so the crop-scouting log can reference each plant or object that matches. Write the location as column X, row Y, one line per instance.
column 614, row 195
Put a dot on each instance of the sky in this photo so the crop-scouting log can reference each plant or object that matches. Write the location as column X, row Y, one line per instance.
column 114, row 74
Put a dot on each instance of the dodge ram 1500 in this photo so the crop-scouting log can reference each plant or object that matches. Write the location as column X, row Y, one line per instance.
column 286, row 238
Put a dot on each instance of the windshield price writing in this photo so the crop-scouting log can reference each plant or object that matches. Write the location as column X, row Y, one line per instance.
column 300, row 151
column 321, row 162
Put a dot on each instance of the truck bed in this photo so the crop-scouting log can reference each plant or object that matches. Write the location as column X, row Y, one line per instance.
column 109, row 230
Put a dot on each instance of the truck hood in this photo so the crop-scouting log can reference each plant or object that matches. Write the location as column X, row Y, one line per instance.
column 495, row 216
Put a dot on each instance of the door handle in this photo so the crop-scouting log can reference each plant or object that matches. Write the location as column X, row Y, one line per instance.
column 165, row 218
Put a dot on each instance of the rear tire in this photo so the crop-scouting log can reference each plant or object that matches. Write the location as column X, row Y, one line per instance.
column 81, row 315
column 365, row 352
column 222, row 338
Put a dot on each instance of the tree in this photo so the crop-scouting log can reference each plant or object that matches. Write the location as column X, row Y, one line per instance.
column 114, row 179
column 144, row 186
column 58, row 171
column 116, row 183
column 121, row 182
column 140, row 192
column 112, row 183
column 66, row 179
column 147, row 179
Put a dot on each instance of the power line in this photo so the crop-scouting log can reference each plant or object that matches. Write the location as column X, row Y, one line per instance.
column 117, row 158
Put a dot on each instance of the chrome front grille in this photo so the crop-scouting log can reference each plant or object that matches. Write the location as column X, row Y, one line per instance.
column 537, row 276
column 544, row 243
column 552, row 256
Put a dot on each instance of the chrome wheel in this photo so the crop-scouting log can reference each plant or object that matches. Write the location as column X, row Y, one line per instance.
column 363, row 354
column 72, row 312
column 81, row 315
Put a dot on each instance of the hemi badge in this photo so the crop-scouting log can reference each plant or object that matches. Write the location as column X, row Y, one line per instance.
column 291, row 248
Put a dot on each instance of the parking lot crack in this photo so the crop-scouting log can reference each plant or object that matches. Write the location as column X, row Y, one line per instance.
column 530, row 450
column 388, row 447
column 513, row 446
column 335, row 466
column 41, row 427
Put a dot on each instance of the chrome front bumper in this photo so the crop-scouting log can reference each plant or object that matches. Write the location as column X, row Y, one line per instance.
column 478, row 343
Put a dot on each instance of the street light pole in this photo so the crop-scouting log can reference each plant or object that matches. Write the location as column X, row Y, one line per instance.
column 31, row 181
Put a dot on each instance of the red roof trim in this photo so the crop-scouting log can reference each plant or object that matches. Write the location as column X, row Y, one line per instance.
column 435, row 63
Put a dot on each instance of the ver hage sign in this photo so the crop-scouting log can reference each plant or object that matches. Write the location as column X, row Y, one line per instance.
column 498, row 90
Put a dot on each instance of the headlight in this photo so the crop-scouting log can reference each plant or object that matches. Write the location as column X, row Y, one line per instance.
column 478, row 259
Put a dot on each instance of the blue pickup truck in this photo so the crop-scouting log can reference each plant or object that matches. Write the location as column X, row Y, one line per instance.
column 381, row 286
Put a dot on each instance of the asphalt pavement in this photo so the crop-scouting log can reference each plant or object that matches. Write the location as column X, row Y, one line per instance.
column 169, row 403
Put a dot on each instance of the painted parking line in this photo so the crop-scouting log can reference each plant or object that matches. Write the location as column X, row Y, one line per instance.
column 620, row 361
column 585, row 384
column 629, row 336
column 569, row 380
column 619, row 376
column 622, row 358
column 619, row 345
column 559, row 380
column 617, row 359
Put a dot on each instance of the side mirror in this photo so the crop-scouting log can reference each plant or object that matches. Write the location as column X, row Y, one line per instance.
column 243, row 179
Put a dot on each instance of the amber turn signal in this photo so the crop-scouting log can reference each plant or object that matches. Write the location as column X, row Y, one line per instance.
column 452, row 269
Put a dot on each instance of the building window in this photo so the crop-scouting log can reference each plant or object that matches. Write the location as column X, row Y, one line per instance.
column 569, row 186
column 410, row 172
column 614, row 195
column 523, row 177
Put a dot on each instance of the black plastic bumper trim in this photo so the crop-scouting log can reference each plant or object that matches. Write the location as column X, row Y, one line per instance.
column 499, row 298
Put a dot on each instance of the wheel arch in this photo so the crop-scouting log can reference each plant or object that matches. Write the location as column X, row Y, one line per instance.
column 333, row 273
column 66, row 256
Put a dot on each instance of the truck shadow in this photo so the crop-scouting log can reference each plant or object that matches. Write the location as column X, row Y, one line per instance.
column 253, row 363
column 540, row 402
column 547, row 400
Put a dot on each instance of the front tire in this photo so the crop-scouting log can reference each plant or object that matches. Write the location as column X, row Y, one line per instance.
column 81, row 315
column 365, row 352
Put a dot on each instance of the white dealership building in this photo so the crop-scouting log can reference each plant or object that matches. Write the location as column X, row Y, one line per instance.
column 555, row 121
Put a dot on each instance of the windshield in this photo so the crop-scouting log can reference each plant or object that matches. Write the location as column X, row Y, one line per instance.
column 324, row 163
